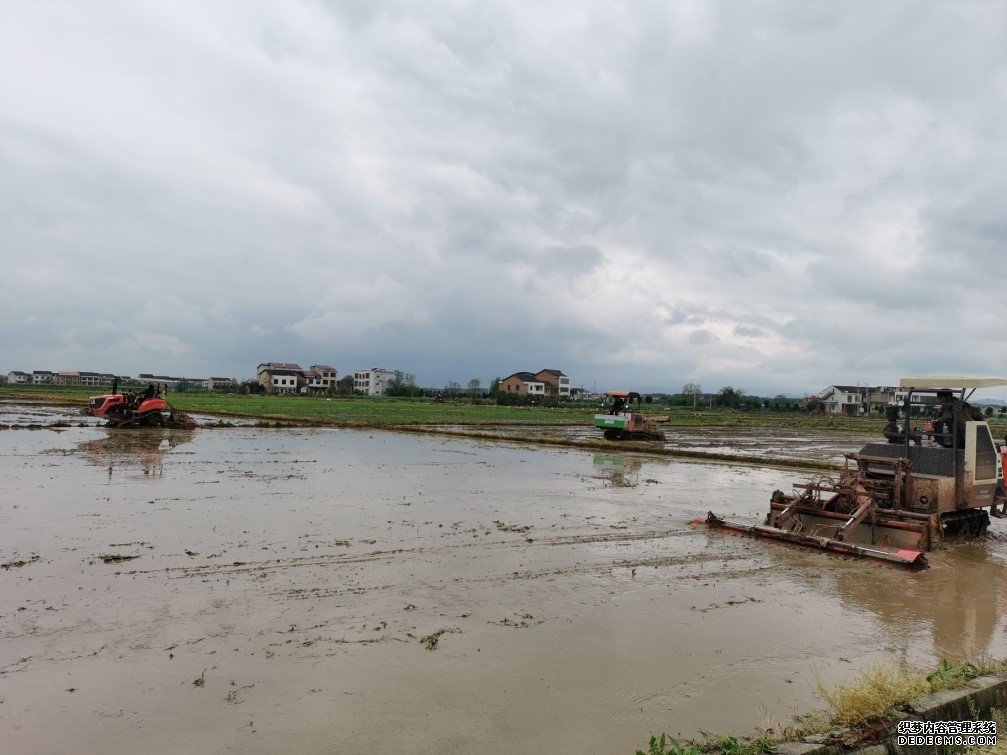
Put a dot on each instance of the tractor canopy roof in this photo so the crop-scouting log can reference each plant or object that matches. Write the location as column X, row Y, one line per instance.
column 936, row 382
column 622, row 394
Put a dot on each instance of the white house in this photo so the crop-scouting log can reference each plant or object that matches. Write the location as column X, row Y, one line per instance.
column 843, row 399
column 43, row 376
column 859, row 399
column 373, row 382
column 16, row 376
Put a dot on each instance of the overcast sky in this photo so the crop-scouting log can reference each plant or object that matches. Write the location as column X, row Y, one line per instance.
column 774, row 195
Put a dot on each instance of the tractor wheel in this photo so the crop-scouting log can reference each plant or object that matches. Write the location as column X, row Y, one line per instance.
column 979, row 524
column 644, row 435
column 613, row 434
column 966, row 524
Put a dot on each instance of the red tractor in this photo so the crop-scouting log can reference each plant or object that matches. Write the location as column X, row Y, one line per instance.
column 147, row 409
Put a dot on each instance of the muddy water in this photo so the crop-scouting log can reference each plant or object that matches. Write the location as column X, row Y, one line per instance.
column 752, row 442
column 19, row 414
column 295, row 573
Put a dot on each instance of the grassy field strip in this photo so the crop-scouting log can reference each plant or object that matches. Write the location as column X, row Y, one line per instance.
column 363, row 411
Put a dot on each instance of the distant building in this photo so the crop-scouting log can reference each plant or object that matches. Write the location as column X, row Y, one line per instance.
column 862, row 399
column 544, row 382
column 919, row 399
column 280, row 377
column 16, row 376
column 523, row 383
column 93, row 379
column 555, row 381
column 165, row 381
column 43, row 377
column 372, row 382
column 218, row 383
column 319, row 378
column 67, row 377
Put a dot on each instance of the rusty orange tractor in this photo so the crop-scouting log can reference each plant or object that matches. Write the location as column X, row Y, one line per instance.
column 126, row 410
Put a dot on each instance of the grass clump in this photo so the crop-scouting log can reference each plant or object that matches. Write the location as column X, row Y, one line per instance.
column 953, row 675
column 665, row 745
column 871, row 693
column 731, row 745
column 431, row 640
column 1000, row 748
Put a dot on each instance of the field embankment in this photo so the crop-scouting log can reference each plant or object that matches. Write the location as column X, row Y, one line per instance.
column 373, row 411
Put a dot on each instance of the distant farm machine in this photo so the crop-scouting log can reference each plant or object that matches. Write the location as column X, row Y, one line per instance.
column 898, row 499
column 618, row 420
column 146, row 409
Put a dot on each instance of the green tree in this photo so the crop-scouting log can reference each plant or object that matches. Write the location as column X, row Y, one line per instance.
column 475, row 387
column 344, row 386
column 693, row 390
column 403, row 384
column 730, row 396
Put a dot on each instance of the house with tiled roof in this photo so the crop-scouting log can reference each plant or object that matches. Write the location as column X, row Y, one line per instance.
column 523, row 384
column 544, row 382
column 555, row 381
column 320, row 378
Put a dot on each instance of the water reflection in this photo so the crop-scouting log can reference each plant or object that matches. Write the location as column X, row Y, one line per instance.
column 142, row 449
column 960, row 600
column 617, row 471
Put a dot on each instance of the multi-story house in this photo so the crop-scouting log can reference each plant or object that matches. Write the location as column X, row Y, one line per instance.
column 555, row 382
column 843, row 399
column 320, row 378
column 16, row 376
column 43, row 377
column 280, row 377
column 523, row 383
column 372, row 382
column 544, row 382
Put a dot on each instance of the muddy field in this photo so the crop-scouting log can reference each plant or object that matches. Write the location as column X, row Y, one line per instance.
column 257, row 590
column 750, row 442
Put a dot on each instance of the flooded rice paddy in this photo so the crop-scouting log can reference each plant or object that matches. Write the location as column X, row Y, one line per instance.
column 328, row 590
column 750, row 442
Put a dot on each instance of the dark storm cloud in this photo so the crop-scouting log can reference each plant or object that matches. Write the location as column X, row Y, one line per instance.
column 780, row 193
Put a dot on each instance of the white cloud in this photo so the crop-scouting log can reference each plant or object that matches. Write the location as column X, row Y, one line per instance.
column 774, row 194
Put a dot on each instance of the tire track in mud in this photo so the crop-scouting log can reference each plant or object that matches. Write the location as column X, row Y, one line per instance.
column 562, row 571
column 603, row 566
column 238, row 567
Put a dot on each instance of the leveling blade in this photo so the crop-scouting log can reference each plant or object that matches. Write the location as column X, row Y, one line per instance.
column 911, row 559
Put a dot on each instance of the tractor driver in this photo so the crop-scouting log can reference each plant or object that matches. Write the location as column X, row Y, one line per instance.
column 894, row 432
column 149, row 393
column 618, row 405
column 945, row 422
